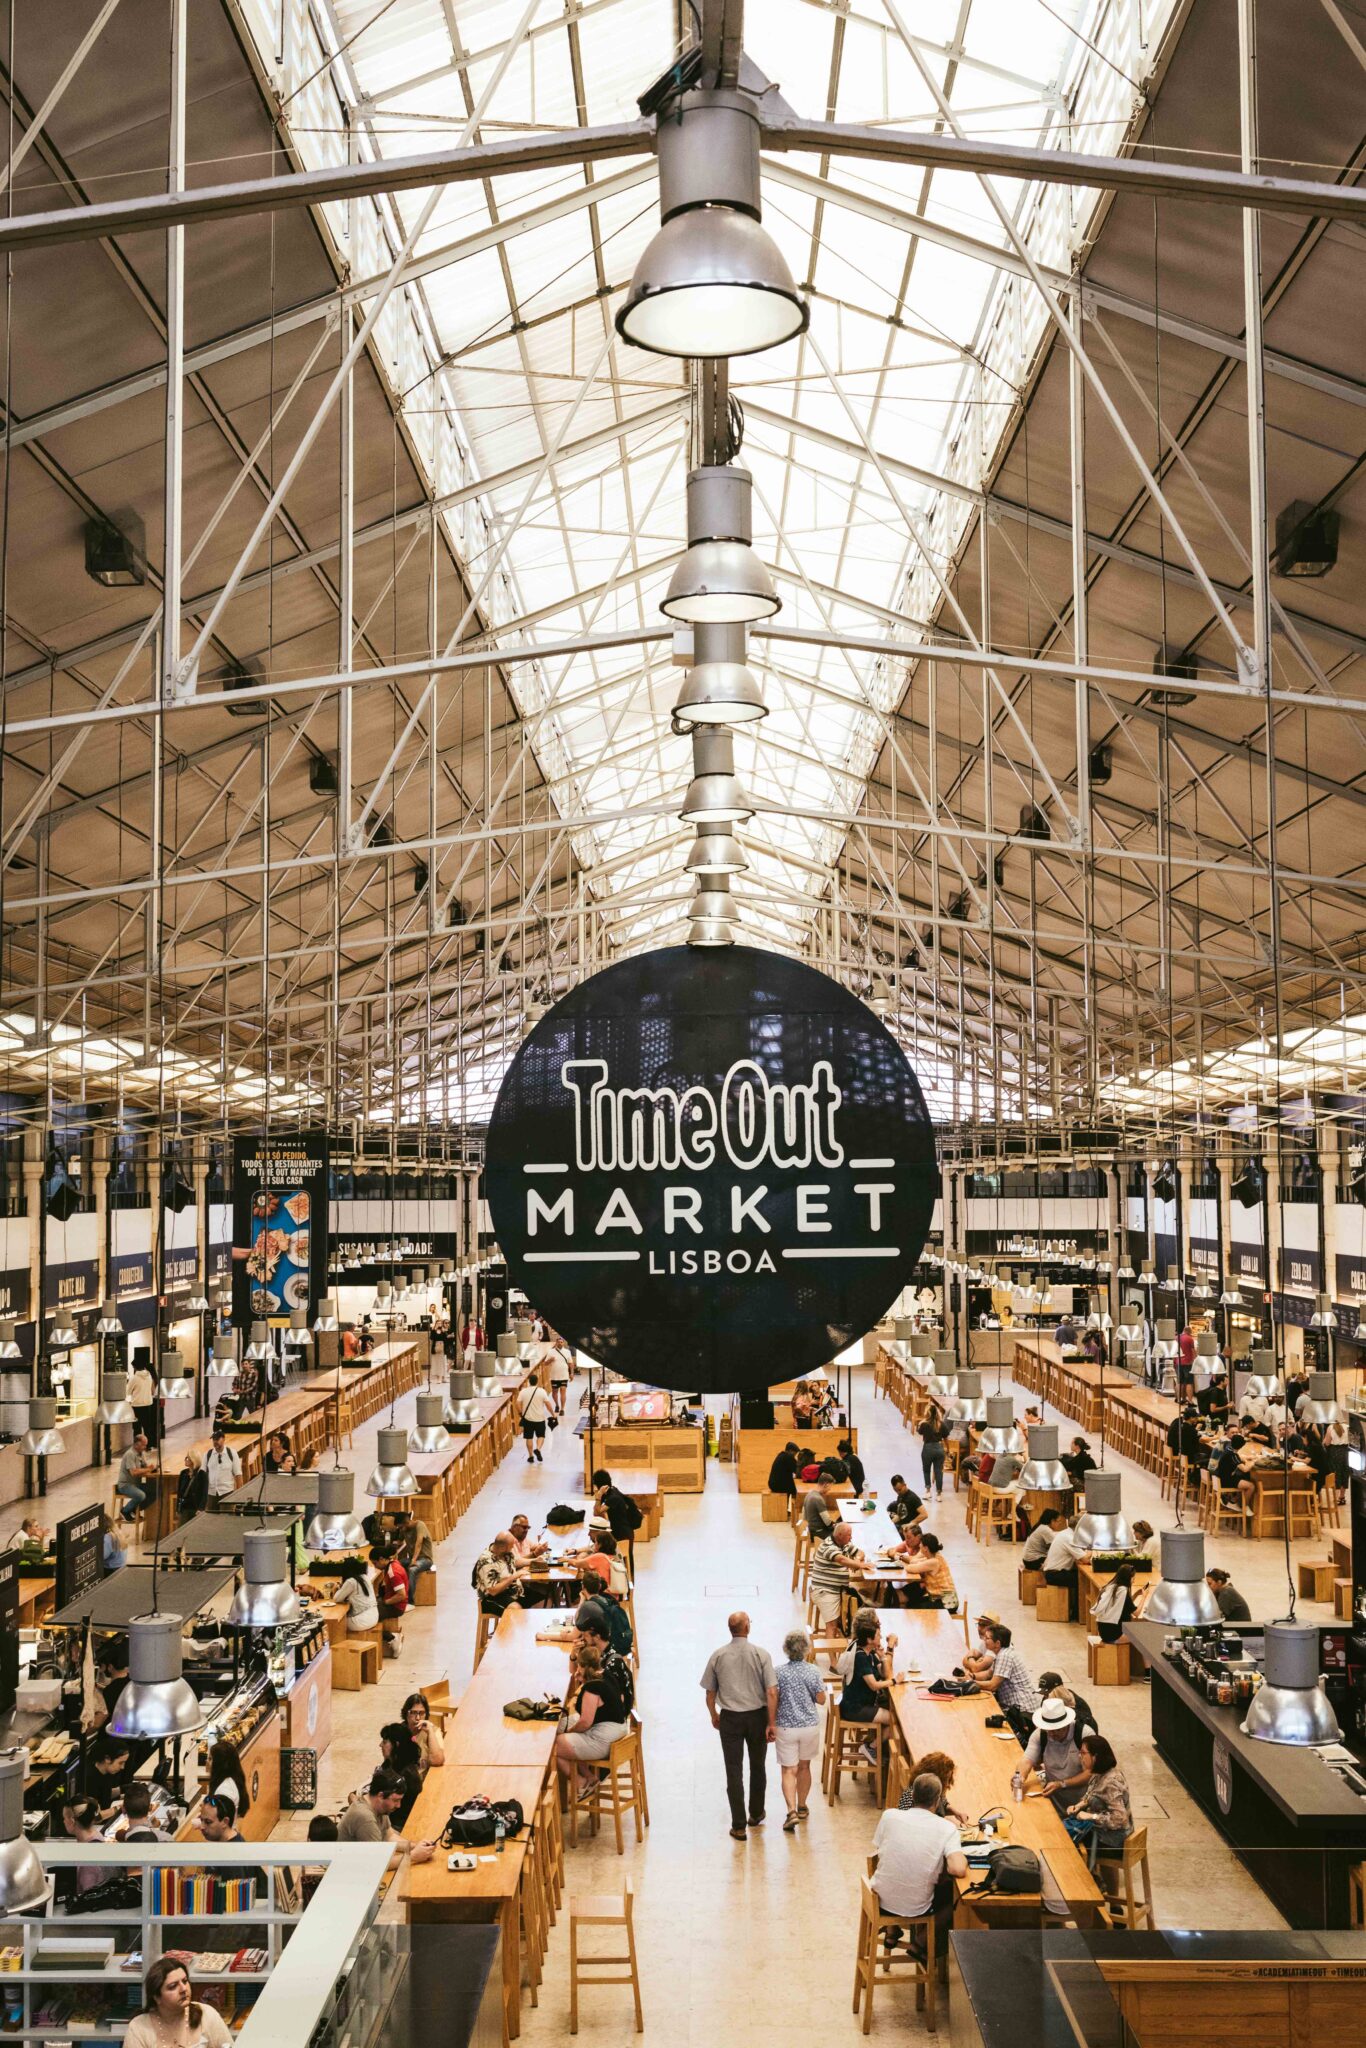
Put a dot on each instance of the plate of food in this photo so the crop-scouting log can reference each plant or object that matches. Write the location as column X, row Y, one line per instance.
column 297, row 1207
column 296, row 1247
column 265, row 1301
column 296, row 1291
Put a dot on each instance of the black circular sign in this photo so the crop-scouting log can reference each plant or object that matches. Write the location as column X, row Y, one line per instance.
column 710, row 1170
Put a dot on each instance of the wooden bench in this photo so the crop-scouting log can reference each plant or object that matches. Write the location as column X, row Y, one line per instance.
column 1053, row 1603
column 425, row 1592
column 1342, row 1599
column 1108, row 1663
column 1315, row 1577
column 1030, row 1581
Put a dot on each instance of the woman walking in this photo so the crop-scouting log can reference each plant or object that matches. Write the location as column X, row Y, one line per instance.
column 933, row 1435
column 798, row 1726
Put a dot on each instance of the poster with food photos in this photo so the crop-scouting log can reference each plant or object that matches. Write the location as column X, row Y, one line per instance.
column 280, row 1196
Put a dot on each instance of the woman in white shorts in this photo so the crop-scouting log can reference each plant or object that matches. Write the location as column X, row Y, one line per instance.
column 594, row 1720
column 798, row 1726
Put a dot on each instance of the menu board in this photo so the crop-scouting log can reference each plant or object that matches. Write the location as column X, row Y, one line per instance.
column 80, row 1554
column 9, row 1629
column 280, row 1196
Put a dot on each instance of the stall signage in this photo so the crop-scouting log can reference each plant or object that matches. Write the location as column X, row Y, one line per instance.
column 1222, row 1765
column 14, row 1293
column 71, row 1287
column 1351, row 1276
column 280, row 1197
column 80, row 1554
column 180, row 1267
column 131, row 1273
column 1204, row 1255
column 1301, row 1269
column 710, row 1170
column 1248, row 1261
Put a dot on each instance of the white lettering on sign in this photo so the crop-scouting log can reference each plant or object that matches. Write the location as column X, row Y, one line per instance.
column 756, row 1121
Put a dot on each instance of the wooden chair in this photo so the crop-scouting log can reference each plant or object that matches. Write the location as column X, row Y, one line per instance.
column 548, row 1842
column 801, row 1559
column 440, row 1705
column 999, row 1513
column 847, row 1742
column 1130, row 1910
column 898, row 1776
column 599, row 1909
column 1226, row 1507
column 1302, row 1509
column 1330, row 1514
column 1268, row 1512
column 485, row 1628
column 621, row 1783
column 922, row 1971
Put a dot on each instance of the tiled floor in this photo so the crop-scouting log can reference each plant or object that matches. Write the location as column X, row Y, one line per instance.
column 747, row 1939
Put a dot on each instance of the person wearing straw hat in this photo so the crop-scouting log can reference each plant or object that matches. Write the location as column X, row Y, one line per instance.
column 1053, row 1765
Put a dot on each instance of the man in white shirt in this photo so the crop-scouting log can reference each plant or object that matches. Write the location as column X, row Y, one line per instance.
column 559, row 1375
column 1060, row 1563
column 222, row 1467
column 919, row 1854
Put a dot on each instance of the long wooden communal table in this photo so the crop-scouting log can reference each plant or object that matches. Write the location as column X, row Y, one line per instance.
column 1135, row 1419
column 930, row 1643
column 448, row 1480
column 486, row 1752
column 312, row 1418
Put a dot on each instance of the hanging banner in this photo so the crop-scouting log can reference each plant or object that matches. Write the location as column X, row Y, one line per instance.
column 710, row 1170
column 80, row 1554
column 280, row 1218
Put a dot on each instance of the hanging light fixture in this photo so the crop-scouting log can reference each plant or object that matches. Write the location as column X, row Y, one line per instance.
column 719, row 689
column 1232, row 1296
column 42, row 1438
column 109, row 1324
column 224, row 1355
column 115, row 1406
column 174, row 1382
column 156, row 1701
column 968, row 1405
column 720, row 580
column 24, row 1884
column 326, row 1318
column 1147, row 1276
column 716, row 852
column 459, row 1411
column 1324, row 1316
column 428, row 1433
column 63, row 1335
column 1181, row 1598
column 9, row 1347
column 265, row 1598
column 1200, row 1289
column 944, row 1382
column 714, row 795
column 1291, row 1706
column 486, row 1379
column 1126, row 1270
column 391, row 1476
column 259, row 1346
column 1103, row 1526
column 334, row 1525
column 1000, row 1437
column 196, row 1301
column 1043, row 1471
column 1262, row 1382
column 1323, row 1400
column 712, row 282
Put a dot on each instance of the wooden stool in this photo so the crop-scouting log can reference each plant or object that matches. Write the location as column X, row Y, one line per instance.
column 550, row 1835
column 1138, row 1912
column 1302, row 1511
column 1107, row 1663
column 599, row 1909
column 1330, row 1515
column 1224, row 1504
column 801, row 1560
column 424, row 1594
column 355, row 1663
column 1029, row 1584
column 1342, row 1599
column 922, row 1973
column 849, row 1738
column 774, row 1507
column 485, row 1628
column 621, row 1782
column 1000, row 1514
column 1053, row 1603
column 1314, row 1577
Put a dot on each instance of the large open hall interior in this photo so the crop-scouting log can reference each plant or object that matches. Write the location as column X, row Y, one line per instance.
column 682, row 1022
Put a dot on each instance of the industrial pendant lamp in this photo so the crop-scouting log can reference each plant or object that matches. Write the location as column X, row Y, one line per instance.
column 334, row 1525
column 968, row 1405
column 1103, row 1526
column 944, row 1381
column 9, row 1347
column 1000, row 1436
column 265, row 1598
column 109, row 1324
column 428, row 1433
column 1262, row 1382
column 391, row 1476
column 459, row 1412
column 63, row 1335
column 1324, row 1316
column 714, row 795
column 24, row 1884
column 712, row 281
column 720, row 580
column 486, row 1373
column 713, row 900
column 156, row 1701
column 42, row 1438
column 1043, row 1471
column 1323, row 1400
column 718, row 689
column 1232, row 1296
column 115, row 1406
column 1181, row 1598
column 708, row 931
column 259, row 1346
column 326, row 1318
column 1126, row 1270
column 1291, row 1706
column 174, row 1381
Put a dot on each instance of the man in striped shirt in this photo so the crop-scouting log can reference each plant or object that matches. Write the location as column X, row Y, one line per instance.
column 830, row 1562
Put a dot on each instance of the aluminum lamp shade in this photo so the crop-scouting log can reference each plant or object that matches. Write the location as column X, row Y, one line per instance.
column 115, row 1406
column 1181, row 1598
column 9, row 1347
column 459, row 1412
column 715, row 905
column 326, row 1318
column 486, row 1373
column 719, row 583
column 109, row 1324
column 24, row 1884
column 1103, row 1526
column 296, row 1336
column 196, row 1302
column 1147, row 1276
column 1291, row 1706
column 1232, row 1295
column 259, row 1346
column 944, row 1380
column 224, row 1355
column 1042, row 1472
column 265, row 1599
column 1323, row 1403
column 63, row 1335
column 156, row 1701
column 1262, row 1382
column 1324, row 1316
column 428, row 1433
column 42, row 1438
column 175, row 1381
column 711, row 283
column 391, row 1477
column 334, row 1525
column 1164, row 1345
column 710, row 931
column 720, row 693
column 714, row 795
column 1000, row 1436
column 967, row 1402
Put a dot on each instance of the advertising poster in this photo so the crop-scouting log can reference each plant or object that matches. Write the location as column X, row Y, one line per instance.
column 280, row 1220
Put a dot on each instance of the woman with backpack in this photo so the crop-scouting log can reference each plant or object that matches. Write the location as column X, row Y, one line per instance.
column 623, row 1515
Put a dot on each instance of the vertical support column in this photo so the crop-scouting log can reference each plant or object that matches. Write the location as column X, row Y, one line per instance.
column 35, row 1147
column 346, row 595
column 199, row 1180
column 171, row 682
column 1274, row 1231
column 1081, row 648
column 1183, row 1218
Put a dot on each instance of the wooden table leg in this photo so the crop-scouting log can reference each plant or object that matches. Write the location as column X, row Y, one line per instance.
column 512, row 1968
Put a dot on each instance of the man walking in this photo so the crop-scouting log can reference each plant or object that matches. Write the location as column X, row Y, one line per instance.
column 742, row 1699
column 222, row 1466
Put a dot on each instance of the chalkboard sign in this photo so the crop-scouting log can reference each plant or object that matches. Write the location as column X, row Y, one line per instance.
column 9, row 1629
column 80, row 1554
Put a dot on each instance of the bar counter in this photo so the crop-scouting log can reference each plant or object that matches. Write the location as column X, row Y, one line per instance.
column 1293, row 1823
